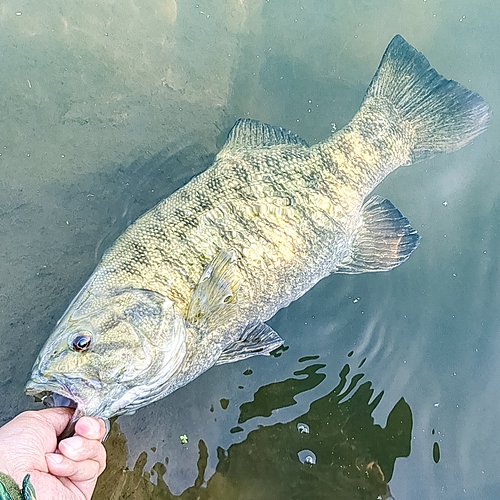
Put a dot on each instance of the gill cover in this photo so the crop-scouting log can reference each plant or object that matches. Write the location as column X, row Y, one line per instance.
column 162, row 331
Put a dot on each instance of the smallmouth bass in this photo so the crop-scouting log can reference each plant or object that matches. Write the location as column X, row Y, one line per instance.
column 191, row 283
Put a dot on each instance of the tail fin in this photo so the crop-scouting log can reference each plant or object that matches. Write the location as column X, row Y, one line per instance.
column 444, row 115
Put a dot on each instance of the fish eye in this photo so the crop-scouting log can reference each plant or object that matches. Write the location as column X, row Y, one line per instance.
column 82, row 342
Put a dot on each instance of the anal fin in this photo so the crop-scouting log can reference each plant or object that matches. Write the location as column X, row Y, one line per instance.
column 257, row 338
column 385, row 239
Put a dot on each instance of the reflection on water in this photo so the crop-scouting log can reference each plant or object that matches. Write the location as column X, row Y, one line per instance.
column 334, row 450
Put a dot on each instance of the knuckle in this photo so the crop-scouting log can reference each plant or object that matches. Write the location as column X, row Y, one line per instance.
column 102, row 460
column 90, row 471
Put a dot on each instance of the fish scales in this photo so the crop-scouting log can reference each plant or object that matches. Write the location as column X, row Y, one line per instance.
column 270, row 211
column 370, row 147
column 191, row 282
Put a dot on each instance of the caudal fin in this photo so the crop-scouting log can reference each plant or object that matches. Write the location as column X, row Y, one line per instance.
column 443, row 114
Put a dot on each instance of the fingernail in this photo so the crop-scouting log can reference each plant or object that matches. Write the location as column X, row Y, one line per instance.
column 74, row 443
column 55, row 458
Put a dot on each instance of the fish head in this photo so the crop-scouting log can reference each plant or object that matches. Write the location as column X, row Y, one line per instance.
column 111, row 353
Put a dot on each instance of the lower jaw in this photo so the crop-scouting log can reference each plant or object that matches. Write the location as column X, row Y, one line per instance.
column 53, row 399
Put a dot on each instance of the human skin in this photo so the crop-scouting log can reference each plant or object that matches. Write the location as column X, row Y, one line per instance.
column 28, row 445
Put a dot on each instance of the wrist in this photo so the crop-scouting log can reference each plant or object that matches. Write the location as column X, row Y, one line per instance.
column 10, row 470
column 7, row 469
column 8, row 485
column 15, row 457
column 10, row 490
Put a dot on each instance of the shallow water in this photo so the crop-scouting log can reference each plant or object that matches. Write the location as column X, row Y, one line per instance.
column 107, row 108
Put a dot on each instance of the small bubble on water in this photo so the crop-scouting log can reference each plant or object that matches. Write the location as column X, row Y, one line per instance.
column 303, row 428
column 307, row 457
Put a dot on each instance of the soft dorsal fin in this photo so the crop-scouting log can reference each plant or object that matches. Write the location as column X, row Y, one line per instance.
column 215, row 295
column 385, row 239
column 248, row 133
column 256, row 339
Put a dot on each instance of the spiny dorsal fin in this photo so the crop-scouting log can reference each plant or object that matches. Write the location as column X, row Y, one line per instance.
column 257, row 338
column 384, row 240
column 215, row 295
column 247, row 133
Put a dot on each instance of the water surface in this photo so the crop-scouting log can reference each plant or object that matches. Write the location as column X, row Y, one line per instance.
column 109, row 107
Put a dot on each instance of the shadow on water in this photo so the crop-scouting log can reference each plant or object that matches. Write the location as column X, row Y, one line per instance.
column 334, row 450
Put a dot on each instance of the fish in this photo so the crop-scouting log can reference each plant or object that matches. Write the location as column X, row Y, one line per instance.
column 191, row 283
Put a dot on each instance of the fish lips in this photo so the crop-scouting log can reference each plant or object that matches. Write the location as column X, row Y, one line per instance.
column 62, row 391
column 55, row 393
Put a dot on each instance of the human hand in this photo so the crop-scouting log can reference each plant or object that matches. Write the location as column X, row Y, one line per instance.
column 28, row 444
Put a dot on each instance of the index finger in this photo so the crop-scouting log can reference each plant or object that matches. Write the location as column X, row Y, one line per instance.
column 90, row 428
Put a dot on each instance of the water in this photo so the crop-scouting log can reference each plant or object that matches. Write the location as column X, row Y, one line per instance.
column 107, row 108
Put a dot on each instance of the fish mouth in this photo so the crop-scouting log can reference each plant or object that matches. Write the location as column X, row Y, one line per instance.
column 56, row 395
column 53, row 399
column 54, row 389
column 51, row 394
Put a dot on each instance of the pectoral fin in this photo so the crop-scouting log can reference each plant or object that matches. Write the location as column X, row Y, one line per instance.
column 384, row 240
column 257, row 338
column 216, row 293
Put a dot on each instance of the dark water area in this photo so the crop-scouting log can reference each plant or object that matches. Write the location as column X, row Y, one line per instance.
column 388, row 383
column 353, row 458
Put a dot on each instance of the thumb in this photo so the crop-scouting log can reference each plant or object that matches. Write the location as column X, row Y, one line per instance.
column 56, row 418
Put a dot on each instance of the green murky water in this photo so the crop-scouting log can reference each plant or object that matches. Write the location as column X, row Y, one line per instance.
column 389, row 382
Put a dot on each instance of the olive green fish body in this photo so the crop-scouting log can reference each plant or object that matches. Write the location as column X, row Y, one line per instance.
column 280, row 219
column 191, row 282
